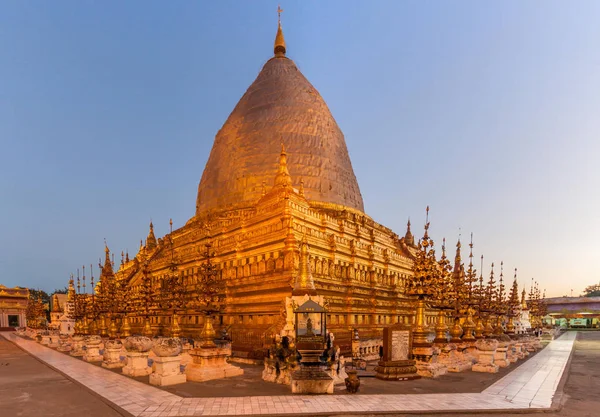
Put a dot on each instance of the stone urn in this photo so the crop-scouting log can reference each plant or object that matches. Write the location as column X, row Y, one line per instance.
column 352, row 382
column 138, row 344
column 486, row 345
column 137, row 356
column 167, row 346
column 166, row 368
column 93, row 340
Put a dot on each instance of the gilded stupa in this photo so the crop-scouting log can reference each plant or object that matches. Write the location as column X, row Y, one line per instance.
column 278, row 175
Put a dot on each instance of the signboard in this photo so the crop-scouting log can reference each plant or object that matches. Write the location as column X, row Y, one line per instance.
column 400, row 345
column 397, row 343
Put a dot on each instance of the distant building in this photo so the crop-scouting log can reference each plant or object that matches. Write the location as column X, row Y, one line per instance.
column 574, row 311
column 13, row 307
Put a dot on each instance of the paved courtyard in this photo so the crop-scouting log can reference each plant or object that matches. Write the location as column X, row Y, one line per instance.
column 531, row 386
column 28, row 387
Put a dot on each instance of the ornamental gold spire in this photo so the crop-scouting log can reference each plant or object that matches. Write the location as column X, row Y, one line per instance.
column 107, row 269
column 71, row 291
column 283, row 178
column 151, row 239
column 305, row 283
column 55, row 304
column 409, row 239
column 279, row 48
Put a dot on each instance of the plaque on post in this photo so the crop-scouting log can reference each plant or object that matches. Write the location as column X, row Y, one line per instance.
column 397, row 363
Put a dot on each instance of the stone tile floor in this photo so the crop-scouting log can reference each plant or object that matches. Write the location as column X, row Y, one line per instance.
column 530, row 386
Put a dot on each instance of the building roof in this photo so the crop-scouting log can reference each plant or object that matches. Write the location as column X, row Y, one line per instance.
column 280, row 107
column 572, row 300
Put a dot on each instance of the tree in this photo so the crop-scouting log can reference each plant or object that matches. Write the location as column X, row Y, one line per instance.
column 43, row 295
column 61, row 291
column 592, row 291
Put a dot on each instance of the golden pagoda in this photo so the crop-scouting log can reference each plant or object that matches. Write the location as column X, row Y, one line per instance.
column 279, row 181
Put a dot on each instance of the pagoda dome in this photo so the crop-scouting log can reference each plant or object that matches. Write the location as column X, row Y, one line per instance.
column 280, row 107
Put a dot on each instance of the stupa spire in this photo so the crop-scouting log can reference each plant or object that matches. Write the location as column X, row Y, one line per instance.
column 151, row 239
column 107, row 269
column 283, row 178
column 279, row 48
column 409, row 239
column 304, row 283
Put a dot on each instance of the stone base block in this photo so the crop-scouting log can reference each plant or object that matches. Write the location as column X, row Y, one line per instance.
column 486, row 362
column 431, row 369
column 311, row 381
column 459, row 366
column 198, row 373
column 500, row 357
column 112, row 365
column 92, row 354
column 503, row 363
column 163, row 381
column 137, row 364
column 93, row 358
column 112, row 358
column 64, row 348
column 210, row 363
column 77, row 352
column 396, row 370
column 166, row 371
column 489, row 368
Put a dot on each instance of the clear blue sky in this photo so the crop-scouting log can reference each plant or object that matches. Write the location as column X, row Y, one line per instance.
column 489, row 112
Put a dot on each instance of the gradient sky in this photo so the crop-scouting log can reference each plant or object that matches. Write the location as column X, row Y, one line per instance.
column 488, row 112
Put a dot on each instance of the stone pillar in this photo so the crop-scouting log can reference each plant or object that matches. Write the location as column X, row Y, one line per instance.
column 166, row 369
column 137, row 356
column 92, row 349
column 112, row 354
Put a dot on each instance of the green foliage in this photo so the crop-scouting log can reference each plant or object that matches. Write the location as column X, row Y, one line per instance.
column 592, row 291
column 43, row 295
column 61, row 291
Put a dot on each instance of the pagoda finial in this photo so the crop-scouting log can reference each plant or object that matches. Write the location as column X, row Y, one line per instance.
column 409, row 239
column 279, row 48
column 426, row 234
column 301, row 190
column 304, row 283
column 151, row 242
column 283, row 178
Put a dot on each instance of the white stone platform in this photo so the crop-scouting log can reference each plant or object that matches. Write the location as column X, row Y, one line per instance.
column 530, row 386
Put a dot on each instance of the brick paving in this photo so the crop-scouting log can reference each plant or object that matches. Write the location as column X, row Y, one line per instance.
column 530, row 386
